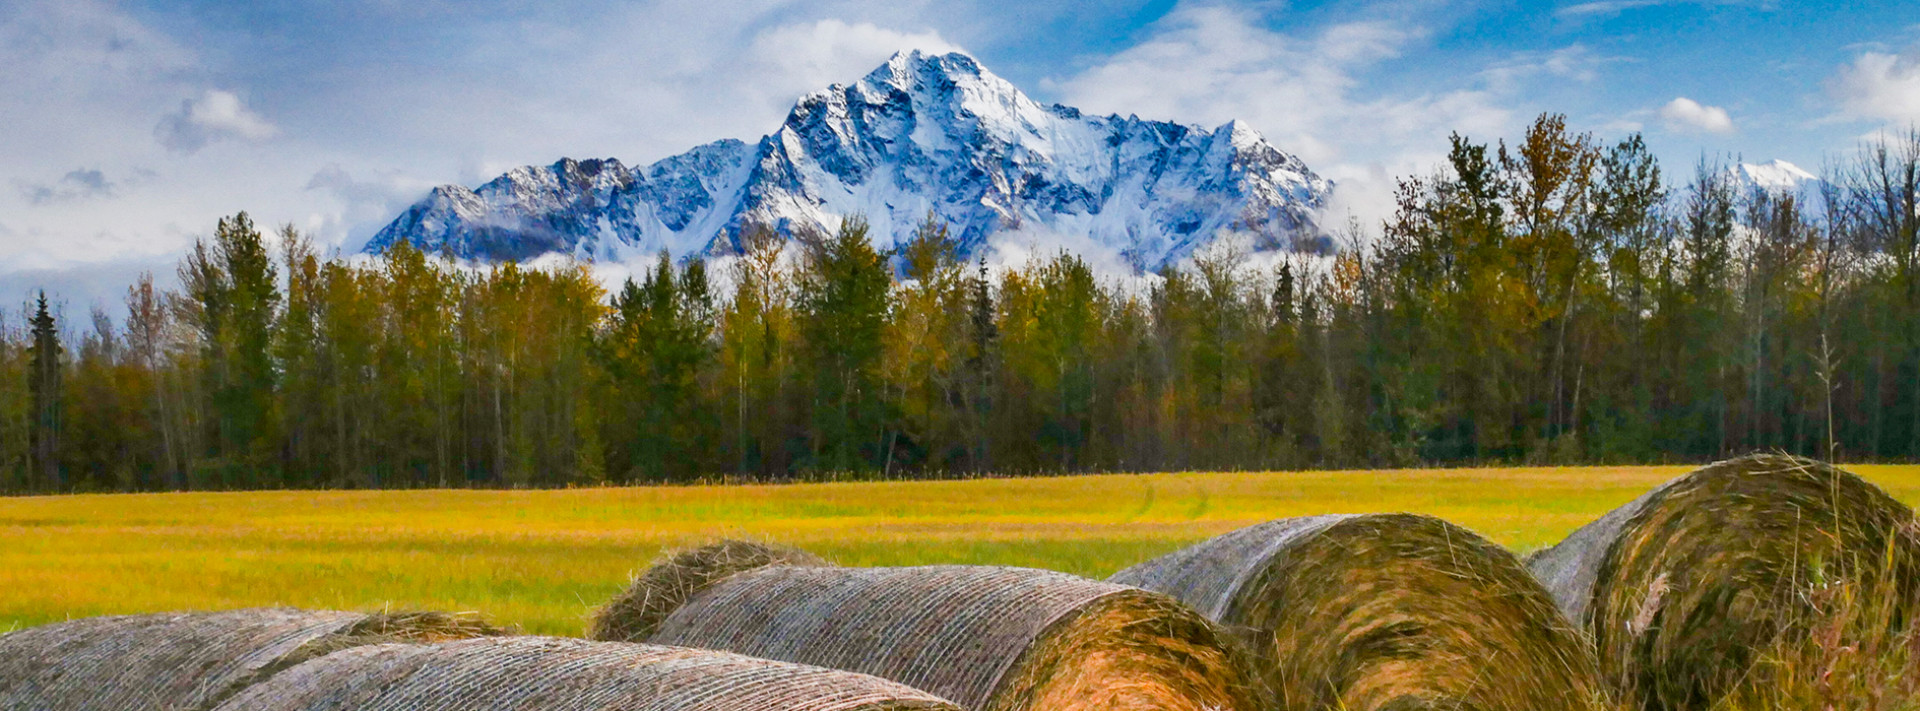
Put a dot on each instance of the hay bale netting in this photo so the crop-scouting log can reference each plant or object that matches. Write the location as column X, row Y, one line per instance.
column 1683, row 585
column 636, row 612
column 540, row 673
column 188, row 661
column 1383, row 611
column 988, row 638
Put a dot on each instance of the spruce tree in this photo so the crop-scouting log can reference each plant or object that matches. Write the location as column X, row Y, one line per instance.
column 44, row 385
column 983, row 330
column 843, row 300
column 235, row 300
column 659, row 342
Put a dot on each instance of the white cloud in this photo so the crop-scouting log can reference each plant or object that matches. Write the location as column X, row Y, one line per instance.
column 362, row 202
column 695, row 72
column 1031, row 246
column 216, row 115
column 83, row 84
column 387, row 188
column 1605, row 8
column 1575, row 63
column 1880, row 85
column 77, row 73
column 1208, row 65
column 89, row 83
column 1685, row 115
column 809, row 56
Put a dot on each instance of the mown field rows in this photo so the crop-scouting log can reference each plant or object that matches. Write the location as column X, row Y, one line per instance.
column 544, row 559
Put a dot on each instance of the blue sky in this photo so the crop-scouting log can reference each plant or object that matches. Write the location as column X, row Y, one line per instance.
column 132, row 126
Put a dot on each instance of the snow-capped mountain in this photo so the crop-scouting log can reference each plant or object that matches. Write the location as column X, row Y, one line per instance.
column 923, row 133
column 1775, row 175
column 1781, row 179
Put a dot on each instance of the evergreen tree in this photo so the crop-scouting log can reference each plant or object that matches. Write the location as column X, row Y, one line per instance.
column 842, row 307
column 1286, row 378
column 982, row 355
column 44, row 387
column 655, row 350
column 232, row 303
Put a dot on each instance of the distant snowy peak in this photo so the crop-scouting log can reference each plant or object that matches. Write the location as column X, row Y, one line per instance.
column 1774, row 175
column 922, row 134
column 1779, row 178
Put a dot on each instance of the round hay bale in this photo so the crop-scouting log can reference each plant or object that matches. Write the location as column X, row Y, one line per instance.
column 188, row 661
column 1681, row 587
column 1384, row 611
column 539, row 673
column 637, row 611
column 988, row 638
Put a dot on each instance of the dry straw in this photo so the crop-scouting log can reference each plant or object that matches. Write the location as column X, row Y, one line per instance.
column 538, row 673
column 989, row 638
column 1683, row 586
column 188, row 661
column 636, row 612
column 1384, row 611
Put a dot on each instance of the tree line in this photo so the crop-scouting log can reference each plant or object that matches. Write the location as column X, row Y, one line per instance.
column 1556, row 300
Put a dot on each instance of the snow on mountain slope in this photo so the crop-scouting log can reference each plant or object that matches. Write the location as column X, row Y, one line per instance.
column 1775, row 175
column 920, row 134
column 1780, row 179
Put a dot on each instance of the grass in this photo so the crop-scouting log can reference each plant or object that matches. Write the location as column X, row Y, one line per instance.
column 543, row 559
column 1847, row 661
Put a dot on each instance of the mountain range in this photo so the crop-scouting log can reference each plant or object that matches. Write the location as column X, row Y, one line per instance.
column 922, row 135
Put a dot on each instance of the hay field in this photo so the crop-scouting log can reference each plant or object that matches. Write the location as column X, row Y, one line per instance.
column 543, row 559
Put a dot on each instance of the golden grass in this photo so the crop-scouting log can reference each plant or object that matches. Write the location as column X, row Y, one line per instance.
column 545, row 559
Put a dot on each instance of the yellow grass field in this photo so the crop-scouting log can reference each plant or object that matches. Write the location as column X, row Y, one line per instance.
column 543, row 559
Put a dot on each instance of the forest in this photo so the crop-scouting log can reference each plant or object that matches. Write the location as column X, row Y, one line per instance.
column 1559, row 299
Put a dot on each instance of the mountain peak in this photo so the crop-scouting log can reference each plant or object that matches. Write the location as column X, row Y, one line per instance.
column 953, row 88
column 923, row 133
column 1240, row 134
column 1774, row 175
column 904, row 68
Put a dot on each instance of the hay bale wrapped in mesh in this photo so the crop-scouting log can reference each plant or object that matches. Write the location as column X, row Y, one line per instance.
column 189, row 661
column 1383, row 611
column 540, row 673
column 988, row 638
column 1681, row 587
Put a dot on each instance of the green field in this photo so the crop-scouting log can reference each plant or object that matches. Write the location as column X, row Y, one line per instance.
column 544, row 559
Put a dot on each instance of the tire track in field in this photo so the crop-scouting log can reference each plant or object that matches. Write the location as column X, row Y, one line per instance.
column 1146, row 502
column 1201, row 499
